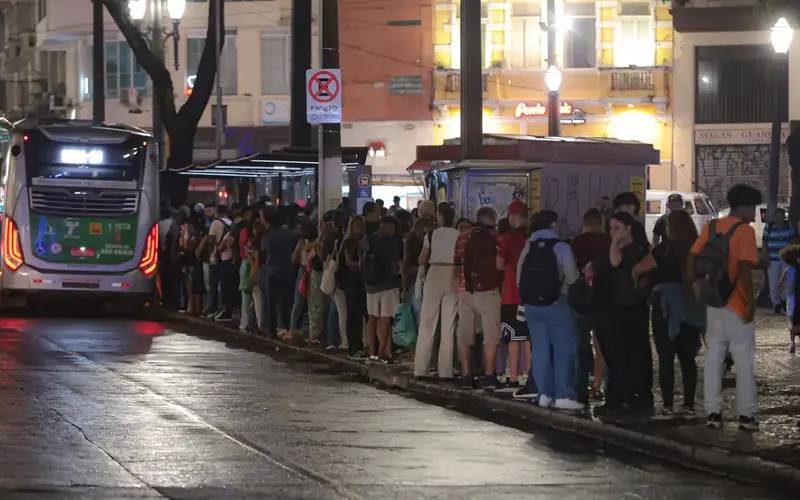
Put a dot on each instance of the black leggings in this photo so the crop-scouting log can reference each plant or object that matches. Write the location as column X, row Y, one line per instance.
column 686, row 346
column 356, row 297
column 624, row 341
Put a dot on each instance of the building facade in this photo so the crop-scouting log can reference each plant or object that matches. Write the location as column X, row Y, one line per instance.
column 57, row 35
column 400, row 64
column 726, row 84
column 388, row 70
column 616, row 58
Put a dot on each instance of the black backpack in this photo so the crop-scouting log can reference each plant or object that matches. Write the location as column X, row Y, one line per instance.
column 373, row 263
column 540, row 280
column 711, row 267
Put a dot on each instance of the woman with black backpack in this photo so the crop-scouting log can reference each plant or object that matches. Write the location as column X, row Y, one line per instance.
column 676, row 317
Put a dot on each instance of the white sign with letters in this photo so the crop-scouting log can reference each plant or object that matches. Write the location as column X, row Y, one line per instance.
column 736, row 136
column 324, row 96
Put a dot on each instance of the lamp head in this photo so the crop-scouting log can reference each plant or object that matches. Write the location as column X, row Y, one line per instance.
column 176, row 8
column 137, row 9
column 781, row 36
column 552, row 78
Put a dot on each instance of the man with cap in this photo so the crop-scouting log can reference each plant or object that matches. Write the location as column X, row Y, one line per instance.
column 674, row 202
column 513, row 331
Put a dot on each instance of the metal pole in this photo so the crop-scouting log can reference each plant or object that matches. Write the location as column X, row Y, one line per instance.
column 553, row 97
column 471, row 80
column 330, row 138
column 219, row 135
column 301, row 62
column 775, row 143
column 98, row 65
column 157, row 47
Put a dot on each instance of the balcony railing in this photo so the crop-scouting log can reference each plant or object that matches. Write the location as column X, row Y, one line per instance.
column 713, row 3
column 627, row 80
column 453, row 82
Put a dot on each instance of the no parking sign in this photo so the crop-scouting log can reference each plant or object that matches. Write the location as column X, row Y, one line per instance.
column 324, row 96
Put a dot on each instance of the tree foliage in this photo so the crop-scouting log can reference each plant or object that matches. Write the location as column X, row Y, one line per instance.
column 181, row 124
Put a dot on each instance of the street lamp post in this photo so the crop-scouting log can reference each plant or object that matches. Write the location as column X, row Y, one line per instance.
column 781, row 37
column 157, row 34
column 552, row 79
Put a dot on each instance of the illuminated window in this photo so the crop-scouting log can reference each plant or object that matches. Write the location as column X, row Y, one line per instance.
column 653, row 207
column 579, row 35
column 122, row 71
column 526, row 43
column 635, row 42
column 275, row 64
column 228, row 63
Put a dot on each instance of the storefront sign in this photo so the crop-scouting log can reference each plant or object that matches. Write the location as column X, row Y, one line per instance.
column 538, row 109
column 734, row 136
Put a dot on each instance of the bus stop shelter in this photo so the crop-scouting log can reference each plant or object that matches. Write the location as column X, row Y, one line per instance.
column 286, row 176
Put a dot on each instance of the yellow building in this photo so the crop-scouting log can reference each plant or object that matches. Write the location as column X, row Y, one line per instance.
column 616, row 59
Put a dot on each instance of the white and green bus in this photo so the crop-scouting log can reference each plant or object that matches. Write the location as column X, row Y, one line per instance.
column 80, row 213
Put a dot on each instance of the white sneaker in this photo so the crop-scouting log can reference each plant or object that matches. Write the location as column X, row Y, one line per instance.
column 568, row 405
column 545, row 401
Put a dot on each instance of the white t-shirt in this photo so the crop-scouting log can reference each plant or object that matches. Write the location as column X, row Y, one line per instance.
column 443, row 241
column 216, row 230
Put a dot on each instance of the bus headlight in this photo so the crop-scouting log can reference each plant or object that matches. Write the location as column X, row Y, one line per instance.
column 149, row 261
column 12, row 247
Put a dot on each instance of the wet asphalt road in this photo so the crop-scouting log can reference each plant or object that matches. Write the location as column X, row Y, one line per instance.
column 114, row 408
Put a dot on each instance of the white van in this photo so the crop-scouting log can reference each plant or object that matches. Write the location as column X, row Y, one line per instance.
column 698, row 205
column 761, row 219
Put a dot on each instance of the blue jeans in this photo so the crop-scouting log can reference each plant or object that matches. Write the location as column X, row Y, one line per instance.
column 554, row 341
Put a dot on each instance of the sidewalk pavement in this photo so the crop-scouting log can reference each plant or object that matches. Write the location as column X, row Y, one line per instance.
column 771, row 456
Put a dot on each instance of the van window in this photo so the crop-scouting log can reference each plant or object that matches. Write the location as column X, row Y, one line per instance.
column 700, row 205
column 689, row 207
column 653, row 207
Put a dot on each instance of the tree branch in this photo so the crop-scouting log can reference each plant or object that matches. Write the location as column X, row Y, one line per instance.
column 207, row 68
column 153, row 65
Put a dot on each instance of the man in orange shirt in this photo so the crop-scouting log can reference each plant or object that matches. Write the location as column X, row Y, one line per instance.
column 730, row 328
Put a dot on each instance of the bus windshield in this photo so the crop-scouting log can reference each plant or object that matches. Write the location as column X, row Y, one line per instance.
column 100, row 162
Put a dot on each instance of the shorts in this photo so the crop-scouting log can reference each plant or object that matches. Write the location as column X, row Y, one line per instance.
column 383, row 304
column 483, row 305
column 512, row 328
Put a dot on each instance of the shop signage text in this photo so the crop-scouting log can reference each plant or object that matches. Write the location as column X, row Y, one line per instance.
column 757, row 135
column 538, row 109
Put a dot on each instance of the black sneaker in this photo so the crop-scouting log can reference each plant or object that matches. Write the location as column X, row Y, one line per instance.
column 748, row 423
column 523, row 394
column 467, row 381
column 488, row 383
column 714, row 421
column 385, row 361
column 358, row 356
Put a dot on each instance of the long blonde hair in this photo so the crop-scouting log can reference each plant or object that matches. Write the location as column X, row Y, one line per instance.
column 353, row 220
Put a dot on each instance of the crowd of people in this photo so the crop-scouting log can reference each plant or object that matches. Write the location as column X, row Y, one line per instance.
column 503, row 304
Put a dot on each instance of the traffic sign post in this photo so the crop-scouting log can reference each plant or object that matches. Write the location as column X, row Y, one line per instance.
column 363, row 186
column 324, row 96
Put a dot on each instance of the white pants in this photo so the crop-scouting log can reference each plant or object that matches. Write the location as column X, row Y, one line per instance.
column 257, row 304
column 340, row 301
column 725, row 331
column 440, row 295
column 775, row 270
column 248, row 311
